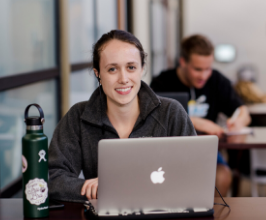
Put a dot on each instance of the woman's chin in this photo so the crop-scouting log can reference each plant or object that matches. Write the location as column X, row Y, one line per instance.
column 125, row 101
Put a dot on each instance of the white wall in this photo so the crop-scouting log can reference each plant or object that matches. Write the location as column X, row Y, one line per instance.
column 238, row 22
column 141, row 29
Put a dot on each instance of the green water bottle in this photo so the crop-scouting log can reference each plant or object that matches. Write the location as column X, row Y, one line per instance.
column 35, row 167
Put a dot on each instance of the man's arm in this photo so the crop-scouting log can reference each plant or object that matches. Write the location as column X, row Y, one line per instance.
column 207, row 126
column 243, row 119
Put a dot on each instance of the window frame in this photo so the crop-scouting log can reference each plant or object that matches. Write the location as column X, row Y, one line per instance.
column 26, row 78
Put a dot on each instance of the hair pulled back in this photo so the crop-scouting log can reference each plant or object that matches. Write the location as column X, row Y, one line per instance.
column 118, row 35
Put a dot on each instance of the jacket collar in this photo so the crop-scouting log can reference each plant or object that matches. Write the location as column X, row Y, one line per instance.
column 95, row 109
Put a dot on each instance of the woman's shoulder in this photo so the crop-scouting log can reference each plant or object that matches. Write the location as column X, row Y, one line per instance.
column 77, row 109
column 79, row 106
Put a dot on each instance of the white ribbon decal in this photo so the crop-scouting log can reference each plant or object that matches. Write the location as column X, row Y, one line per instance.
column 42, row 155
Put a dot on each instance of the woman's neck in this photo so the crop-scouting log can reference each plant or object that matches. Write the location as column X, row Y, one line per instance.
column 123, row 118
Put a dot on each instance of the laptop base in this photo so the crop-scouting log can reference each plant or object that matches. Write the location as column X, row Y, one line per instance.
column 91, row 213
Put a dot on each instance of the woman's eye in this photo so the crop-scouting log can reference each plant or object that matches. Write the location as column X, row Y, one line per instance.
column 132, row 67
column 111, row 69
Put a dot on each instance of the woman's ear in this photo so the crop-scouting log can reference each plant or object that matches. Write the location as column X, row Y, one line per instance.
column 96, row 73
column 143, row 71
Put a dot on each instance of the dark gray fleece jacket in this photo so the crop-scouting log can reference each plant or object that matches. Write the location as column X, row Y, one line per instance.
column 74, row 146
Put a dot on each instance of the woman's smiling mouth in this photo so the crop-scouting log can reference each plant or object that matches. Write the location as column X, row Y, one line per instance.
column 124, row 91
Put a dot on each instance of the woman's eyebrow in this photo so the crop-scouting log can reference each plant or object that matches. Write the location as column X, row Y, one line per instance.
column 111, row 64
column 115, row 64
column 132, row 62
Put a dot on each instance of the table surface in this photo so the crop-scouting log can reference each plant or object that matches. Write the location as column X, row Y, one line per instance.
column 258, row 108
column 241, row 208
column 255, row 140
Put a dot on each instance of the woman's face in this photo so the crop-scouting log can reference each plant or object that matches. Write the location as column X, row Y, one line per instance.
column 120, row 72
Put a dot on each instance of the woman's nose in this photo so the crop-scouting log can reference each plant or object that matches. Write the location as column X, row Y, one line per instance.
column 123, row 77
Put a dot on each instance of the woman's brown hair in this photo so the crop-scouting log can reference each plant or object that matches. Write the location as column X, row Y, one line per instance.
column 118, row 35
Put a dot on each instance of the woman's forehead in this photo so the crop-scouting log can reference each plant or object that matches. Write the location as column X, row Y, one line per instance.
column 116, row 50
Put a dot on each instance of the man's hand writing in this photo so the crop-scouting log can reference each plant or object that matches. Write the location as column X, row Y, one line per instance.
column 207, row 126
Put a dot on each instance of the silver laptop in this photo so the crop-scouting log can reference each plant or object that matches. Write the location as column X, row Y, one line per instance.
column 153, row 175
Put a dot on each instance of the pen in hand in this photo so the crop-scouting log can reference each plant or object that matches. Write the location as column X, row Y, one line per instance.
column 232, row 120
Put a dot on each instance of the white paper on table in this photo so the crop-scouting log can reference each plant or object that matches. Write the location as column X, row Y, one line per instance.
column 245, row 130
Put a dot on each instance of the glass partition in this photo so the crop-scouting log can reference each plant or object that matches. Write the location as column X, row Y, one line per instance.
column 106, row 16
column 27, row 36
column 81, row 30
column 82, row 85
column 12, row 127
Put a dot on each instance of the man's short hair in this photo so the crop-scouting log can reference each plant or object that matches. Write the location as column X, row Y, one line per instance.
column 196, row 44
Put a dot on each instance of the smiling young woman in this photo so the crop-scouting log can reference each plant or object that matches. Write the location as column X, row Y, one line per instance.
column 120, row 77
column 122, row 107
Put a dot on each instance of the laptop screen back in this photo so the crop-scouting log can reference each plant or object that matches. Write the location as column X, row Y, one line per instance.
column 156, row 173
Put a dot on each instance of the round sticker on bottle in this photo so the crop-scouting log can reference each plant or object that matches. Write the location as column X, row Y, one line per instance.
column 24, row 164
column 36, row 191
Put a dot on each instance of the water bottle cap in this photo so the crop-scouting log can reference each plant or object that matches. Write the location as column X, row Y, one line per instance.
column 34, row 120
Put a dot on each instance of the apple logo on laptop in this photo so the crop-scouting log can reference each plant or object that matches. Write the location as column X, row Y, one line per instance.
column 157, row 176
